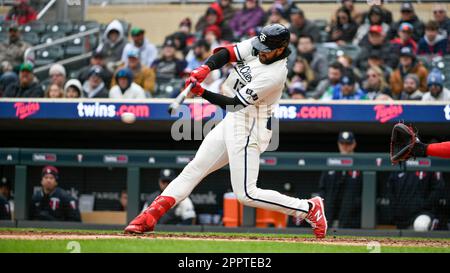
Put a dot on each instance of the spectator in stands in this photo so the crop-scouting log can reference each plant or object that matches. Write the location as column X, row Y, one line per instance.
column 27, row 87
column 316, row 61
column 168, row 67
column 376, row 43
column 225, row 10
column 356, row 15
column 302, row 72
column 302, row 26
column 347, row 62
column 126, row 88
column 405, row 32
column 411, row 88
column 344, row 30
column 52, row 203
column 54, row 92
column 183, row 38
column 408, row 64
column 408, row 15
column 57, row 74
column 21, row 13
column 14, row 48
column 386, row 14
column 112, row 44
column 94, row 86
column 143, row 75
column 5, row 195
column 436, row 89
column 73, row 89
column 183, row 213
column 432, row 43
column 285, row 7
column 212, row 36
column 200, row 52
column 214, row 16
column 413, row 193
column 275, row 16
column 335, row 72
column 7, row 76
column 440, row 16
column 346, row 90
column 297, row 91
column 147, row 51
column 376, row 85
column 376, row 59
column 342, row 190
column 374, row 18
column 245, row 21
column 97, row 59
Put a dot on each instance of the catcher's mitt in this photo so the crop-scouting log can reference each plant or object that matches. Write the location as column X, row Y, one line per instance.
column 405, row 144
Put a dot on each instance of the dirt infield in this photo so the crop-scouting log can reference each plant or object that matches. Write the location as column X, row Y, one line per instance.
column 344, row 241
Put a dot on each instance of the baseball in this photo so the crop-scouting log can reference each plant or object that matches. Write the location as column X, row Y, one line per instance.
column 128, row 117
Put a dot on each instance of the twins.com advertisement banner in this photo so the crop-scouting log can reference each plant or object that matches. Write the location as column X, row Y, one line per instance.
column 331, row 112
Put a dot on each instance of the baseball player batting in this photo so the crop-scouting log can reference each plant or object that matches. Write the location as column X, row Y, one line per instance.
column 252, row 90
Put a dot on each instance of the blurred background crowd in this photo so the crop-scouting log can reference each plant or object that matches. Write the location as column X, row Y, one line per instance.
column 355, row 54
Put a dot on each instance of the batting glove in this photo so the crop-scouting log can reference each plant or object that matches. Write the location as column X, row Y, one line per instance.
column 197, row 89
column 200, row 73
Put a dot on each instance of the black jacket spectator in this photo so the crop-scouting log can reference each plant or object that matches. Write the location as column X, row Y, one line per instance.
column 344, row 30
column 408, row 16
column 341, row 191
column 301, row 26
column 15, row 90
column 376, row 45
column 57, row 206
column 413, row 193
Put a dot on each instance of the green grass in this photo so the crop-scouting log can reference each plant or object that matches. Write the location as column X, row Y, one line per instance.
column 189, row 246
column 159, row 245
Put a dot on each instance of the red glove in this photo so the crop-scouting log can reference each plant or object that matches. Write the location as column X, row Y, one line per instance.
column 197, row 89
column 199, row 74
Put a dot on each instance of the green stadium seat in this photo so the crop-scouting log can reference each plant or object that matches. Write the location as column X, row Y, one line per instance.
column 65, row 27
column 321, row 24
column 50, row 37
column 48, row 55
column 31, row 38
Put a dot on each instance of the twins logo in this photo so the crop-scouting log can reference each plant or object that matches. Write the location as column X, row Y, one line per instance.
column 262, row 37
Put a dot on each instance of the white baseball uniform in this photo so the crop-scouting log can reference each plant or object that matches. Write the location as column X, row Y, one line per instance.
column 240, row 138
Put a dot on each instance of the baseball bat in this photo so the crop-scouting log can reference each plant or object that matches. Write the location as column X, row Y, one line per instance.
column 180, row 98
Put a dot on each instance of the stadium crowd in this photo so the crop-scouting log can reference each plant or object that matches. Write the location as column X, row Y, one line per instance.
column 356, row 55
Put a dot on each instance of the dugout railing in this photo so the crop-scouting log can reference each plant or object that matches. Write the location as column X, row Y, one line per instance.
column 368, row 163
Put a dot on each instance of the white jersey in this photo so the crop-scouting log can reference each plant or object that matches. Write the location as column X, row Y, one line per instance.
column 258, row 86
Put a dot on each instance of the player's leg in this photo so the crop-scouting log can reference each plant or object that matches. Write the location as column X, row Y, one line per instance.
column 211, row 155
column 244, row 159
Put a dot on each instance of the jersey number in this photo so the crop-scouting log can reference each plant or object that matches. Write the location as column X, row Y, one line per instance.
column 238, row 85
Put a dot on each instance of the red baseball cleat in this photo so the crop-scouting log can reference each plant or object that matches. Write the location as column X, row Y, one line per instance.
column 316, row 217
column 144, row 222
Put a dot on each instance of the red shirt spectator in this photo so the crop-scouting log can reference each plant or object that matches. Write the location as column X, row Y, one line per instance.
column 22, row 13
